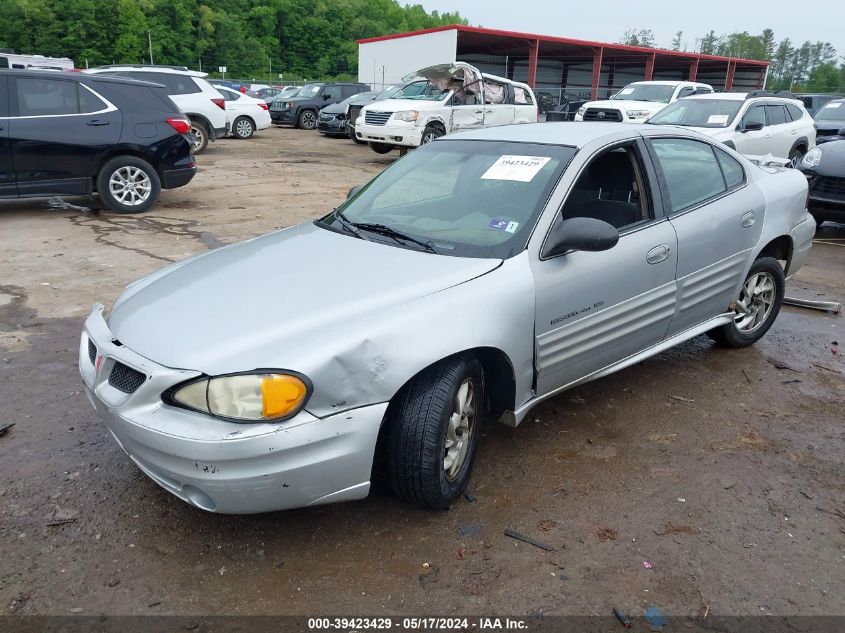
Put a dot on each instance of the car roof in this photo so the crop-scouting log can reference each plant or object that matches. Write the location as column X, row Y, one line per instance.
column 80, row 76
column 743, row 96
column 667, row 83
column 140, row 68
column 559, row 133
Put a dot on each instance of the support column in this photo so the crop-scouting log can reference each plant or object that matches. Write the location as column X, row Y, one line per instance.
column 649, row 67
column 533, row 48
column 729, row 80
column 597, row 59
column 693, row 69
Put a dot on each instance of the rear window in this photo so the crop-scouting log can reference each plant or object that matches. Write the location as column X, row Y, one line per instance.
column 142, row 97
column 776, row 114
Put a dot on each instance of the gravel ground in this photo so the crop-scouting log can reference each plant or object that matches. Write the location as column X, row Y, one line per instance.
column 701, row 480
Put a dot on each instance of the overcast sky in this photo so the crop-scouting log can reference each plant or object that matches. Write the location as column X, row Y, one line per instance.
column 606, row 21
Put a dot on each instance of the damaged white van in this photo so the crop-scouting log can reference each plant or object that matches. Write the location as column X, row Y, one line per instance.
column 458, row 97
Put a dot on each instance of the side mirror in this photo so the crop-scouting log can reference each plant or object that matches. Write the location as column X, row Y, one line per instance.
column 353, row 191
column 581, row 234
column 841, row 131
column 752, row 126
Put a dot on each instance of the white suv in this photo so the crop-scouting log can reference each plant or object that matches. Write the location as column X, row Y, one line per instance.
column 756, row 124
column 189, row 90
column 457, row 97
column 639, row 100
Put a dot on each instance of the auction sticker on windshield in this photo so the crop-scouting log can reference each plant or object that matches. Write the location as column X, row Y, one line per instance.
column 519, row 168
column 717, row 119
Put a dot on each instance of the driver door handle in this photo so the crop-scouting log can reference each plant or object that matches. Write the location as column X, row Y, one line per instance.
column 97, row 122
column 658, row 254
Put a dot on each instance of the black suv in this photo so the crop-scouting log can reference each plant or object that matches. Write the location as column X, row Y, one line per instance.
column 71, row 134
column 301, row 110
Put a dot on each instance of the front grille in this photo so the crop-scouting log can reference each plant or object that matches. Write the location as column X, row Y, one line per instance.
column 602, row 114
column 821, row 132
column 125, row 378
column 826, row 187
column 371, row 117
column 354, row 111
column 92, row 351
column 326, row 117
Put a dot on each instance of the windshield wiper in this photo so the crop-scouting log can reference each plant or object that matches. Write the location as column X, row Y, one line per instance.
column 389, row 231
column 349, row 226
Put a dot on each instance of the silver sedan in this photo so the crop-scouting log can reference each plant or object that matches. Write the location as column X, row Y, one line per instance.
column 469, row 281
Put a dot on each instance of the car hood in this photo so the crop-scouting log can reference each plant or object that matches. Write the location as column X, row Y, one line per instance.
column 832, row 162
column 335, row 108
column 268, row 301
column 397, row 105
column 626, row 105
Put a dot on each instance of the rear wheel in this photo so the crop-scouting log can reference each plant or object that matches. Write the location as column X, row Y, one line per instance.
column 381, row 148
column 757, row 306
column 434, row 432
column 199, row 137
column 243, row 128
column 127, row 184
column 307, row 120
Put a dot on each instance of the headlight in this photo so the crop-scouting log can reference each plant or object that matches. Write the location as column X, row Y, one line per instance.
column 581, row 111
column 252, row 397
column 408, row 115
column 638, row 114
column 286, row 106
column 812, row 158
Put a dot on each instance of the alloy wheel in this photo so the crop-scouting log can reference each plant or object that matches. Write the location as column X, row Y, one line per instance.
column 755, row 302
column 130, row 185
column 243, row 129
column 460, row 428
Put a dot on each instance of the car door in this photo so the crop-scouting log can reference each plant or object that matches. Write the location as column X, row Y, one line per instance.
column 467, row 108
column 755, row 142
column 718, row 217
column 498, row 104
column 781, row 132
column 594, row 309
column 7, row 173
column 57, row 133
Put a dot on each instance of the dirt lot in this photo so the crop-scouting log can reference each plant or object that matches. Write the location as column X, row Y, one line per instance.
column 721, row 470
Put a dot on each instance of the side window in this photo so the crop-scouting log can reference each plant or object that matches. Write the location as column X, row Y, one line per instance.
column 691, row 171
column 332, row 93
column 521, row 96
column 755, row 114
column 612, row 188
column 776, row 114
column 795, row 112
column 41, row 97
column 89, row 102
column 731, row 169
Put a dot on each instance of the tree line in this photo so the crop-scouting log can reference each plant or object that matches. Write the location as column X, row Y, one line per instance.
column 808, row 67
column 252, row 38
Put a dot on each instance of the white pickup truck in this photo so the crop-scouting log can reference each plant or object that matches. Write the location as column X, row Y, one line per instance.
column 458, row 97
column 639, row 100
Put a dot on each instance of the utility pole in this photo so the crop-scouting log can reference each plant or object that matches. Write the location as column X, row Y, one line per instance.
column 150, row 42
column 200, row 61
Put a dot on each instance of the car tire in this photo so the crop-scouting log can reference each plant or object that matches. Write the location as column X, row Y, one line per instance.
column 355, row 138
column 796, row 155
column 128, row 184
column 381, row 148
column 434, row 432
column 757, row 306
column 431, row 133
column 307, row 120
column 243, row 128
column 199, row 135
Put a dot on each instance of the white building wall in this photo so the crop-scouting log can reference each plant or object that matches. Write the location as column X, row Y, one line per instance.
column 387, row 61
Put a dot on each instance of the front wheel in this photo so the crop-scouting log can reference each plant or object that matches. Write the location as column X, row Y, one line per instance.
column 796, row 155
column 243, row 128
column 435, row 428
column 307, row 120
column 381, row 148
column 127, row 184
column 431, row 133
column 757, row 306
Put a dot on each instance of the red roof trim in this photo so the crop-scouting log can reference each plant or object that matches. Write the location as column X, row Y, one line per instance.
column 461, row 28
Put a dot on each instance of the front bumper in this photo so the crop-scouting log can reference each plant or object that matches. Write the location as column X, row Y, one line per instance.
column 332, row 126
column 393, row 133
column 283, row 116
column 221, row 466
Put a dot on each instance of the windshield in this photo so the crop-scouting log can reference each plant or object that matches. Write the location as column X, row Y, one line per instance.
column 407, row 91
column 832, row 111
column 467, row 198
column 645, row 92
column 309, row 90
column 698, row 113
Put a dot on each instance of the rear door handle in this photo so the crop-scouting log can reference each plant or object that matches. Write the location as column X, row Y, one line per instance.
column 97, row 122
column 748, row 220
column 658, row 254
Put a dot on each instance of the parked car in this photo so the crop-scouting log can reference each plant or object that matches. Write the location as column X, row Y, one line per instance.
column 824, row 167
column 757, row 123
column 301, row 110
column 190, row 91
column 814, row 102
column 639, row 100
column 333, row 118
column 481, row 275
column 830, row 121
column 457, row 97
column 409, row 88
column 266, row 94
column 244, row 114
column 71, row 134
